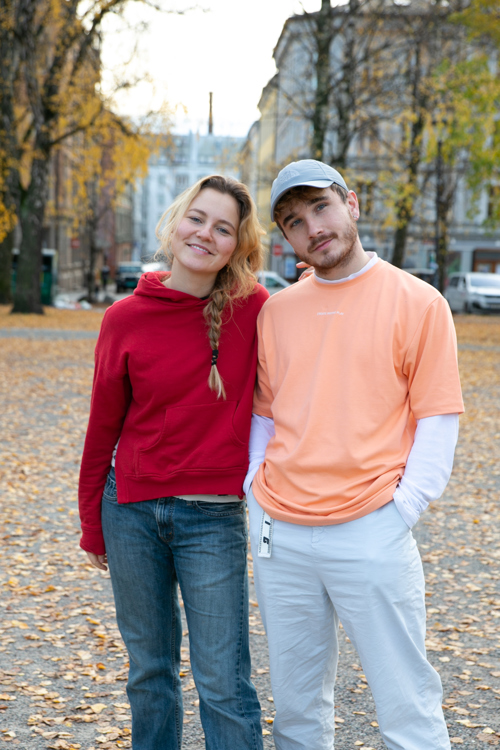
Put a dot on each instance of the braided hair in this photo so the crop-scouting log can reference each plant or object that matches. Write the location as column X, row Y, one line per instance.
column 213, row 316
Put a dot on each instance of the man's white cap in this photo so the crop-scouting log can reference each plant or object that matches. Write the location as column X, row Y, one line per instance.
column 305, row 172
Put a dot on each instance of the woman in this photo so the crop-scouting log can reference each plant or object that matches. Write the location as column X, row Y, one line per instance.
column 174, row 376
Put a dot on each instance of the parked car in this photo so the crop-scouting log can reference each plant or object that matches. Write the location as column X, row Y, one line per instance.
column 154, row 265
column 127, row 275
column 473, row 292
column 272, row 281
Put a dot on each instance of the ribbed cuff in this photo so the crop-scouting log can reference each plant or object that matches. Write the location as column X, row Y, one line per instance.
column 93, row 541
column 408, row 513
column 249, row 479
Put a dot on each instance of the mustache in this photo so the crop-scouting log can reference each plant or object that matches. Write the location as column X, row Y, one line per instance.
column 320, row 240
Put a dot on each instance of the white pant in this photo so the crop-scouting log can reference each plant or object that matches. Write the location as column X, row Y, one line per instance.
column 368, row 574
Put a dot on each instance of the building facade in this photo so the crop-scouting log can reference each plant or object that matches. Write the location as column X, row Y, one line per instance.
column 67, row 236
column 366, row 63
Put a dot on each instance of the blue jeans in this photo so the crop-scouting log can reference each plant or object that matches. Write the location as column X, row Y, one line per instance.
column 153, row 546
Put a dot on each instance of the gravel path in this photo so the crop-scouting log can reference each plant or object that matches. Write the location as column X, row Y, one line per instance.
column 62, row 662
column 46, row 334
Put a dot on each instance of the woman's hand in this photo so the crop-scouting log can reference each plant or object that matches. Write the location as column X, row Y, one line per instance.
column 98, row 561
column 309, row 270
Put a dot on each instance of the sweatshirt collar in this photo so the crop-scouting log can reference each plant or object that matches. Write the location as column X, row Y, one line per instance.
column 150, row 285
column 373, row 260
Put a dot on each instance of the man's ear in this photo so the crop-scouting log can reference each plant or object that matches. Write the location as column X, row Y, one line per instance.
column 353, row 204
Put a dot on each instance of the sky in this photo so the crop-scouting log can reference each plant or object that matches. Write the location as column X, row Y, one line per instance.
column 223, row 46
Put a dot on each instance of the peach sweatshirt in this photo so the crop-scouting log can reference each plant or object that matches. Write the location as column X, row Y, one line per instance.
column 345, row 371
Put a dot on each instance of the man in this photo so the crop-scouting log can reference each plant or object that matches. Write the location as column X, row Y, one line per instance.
column 353, row 434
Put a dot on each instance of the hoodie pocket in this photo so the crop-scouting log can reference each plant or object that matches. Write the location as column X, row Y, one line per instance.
column 195, row 438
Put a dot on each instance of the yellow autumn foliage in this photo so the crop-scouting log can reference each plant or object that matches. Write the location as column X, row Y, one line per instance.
column 61, row 84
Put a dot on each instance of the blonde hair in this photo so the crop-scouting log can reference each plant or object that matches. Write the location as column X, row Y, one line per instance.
column 236, row 281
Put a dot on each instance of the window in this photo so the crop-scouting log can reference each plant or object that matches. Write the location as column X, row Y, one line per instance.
column 181, row 183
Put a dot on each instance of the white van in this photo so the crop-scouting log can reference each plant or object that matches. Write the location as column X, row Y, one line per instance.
column 473, row 292
column 272, row 281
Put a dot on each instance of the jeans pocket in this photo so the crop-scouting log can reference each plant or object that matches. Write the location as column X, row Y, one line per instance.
column 110, row 492
column 220, row 510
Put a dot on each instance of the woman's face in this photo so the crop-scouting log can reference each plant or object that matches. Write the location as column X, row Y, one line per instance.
column 207, row 234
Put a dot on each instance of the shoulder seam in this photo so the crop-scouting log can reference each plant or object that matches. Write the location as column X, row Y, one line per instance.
column 433, row 302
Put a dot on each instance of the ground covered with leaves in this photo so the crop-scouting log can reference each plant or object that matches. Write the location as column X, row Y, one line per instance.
column 63, row 666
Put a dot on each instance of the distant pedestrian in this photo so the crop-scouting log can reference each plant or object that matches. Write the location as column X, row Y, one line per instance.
column 353, row 434
column 104, row 277
column 173, row 389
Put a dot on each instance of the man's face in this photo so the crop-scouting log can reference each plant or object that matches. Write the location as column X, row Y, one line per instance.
column 322, row 230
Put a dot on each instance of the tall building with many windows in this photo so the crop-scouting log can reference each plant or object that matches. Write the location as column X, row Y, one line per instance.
column 375, row 53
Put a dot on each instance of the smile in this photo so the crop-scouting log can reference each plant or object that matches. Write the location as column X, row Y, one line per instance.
column 322, row 246
column 200, row 249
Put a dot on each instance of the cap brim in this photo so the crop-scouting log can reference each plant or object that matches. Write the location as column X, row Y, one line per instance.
column 307, row 183
column 317, row 183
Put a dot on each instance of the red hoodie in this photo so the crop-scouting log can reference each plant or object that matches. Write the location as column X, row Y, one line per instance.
column 152, row 363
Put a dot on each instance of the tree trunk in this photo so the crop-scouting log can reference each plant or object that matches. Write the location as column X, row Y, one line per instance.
column 9, row 151
column 406, row 203
column 321, row 98
column 405, row 206
column 10, row 199
column 6, row 247
column 346, row 104
column 444, row 204
column 27, row 297
column 441, row 256
column 400, row 238
column 93, row 253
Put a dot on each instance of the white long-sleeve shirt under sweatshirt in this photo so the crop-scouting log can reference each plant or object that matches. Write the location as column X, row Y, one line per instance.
column 427, row 471
column 430, row 462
